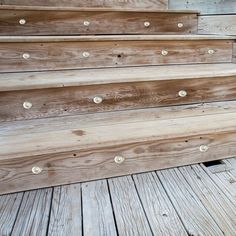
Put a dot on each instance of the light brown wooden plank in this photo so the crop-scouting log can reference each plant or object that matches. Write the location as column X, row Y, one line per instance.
column 97, row 210
column 115, row 97
column 110, row 22
column 234, row 53
column 33, row 215
column 221, row 207
column 88, row 153
column 129, row 214
column 205, row 7
column 55, row 79
column 160, row 212
column 157, row 4
column 220, row 24
column 65, row 212
column 9, row 205
column 192, row 212
column 70, row 55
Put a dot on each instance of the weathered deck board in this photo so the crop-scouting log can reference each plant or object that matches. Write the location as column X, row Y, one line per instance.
column 66, row 216
column 192, row 212
column 9, row 205
column 129, row 213
column 33, row 215
column 158, row 207
column 215, row 201
column 97, row 210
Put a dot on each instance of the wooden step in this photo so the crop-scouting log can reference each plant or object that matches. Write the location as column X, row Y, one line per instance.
column 135, row 4
column 54, row 21
column 58, row 151
column 38, row 53
column 48, row 94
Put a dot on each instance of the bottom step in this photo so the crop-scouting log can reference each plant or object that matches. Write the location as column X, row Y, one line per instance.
column 47, row 152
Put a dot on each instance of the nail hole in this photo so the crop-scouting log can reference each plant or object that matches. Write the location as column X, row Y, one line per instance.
column 74, row 155
column 119, row 55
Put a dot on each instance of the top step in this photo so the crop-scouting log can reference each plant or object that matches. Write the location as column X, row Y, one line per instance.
column 30, row 21
column 135, row 4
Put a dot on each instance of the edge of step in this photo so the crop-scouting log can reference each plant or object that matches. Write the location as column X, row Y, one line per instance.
column 94, row 9
column 85, row 77
column 27, row 39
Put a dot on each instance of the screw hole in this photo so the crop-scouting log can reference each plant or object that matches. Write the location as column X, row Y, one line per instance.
column 119, row 56
column 74, row 155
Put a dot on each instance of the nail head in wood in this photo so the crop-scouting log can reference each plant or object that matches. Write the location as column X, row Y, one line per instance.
column 204, row 148
column 86, row 54
column 26, row 56
column 97, row 100
column 147, row 23
column 119, row 159
column 22, row 21
column 180, row 25
column 86, row 23
column 211, row 51
column 36, row 170
column 27, row 105
column 183, row 93
column 164, row 52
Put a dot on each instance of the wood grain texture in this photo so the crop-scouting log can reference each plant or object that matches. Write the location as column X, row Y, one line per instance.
column 9, row 205
column 160, row 212
column 98, row 216
column 123, row 96
column 221, row 207
column 205, row 6
column 192, row 212
column 69, row 55
column 33, row 215
column 234, row 53
column 110, row 22
column 157, row 4
column 130, row 216
column 146, row 146
column 219, row 24
column 66, row 211
column 58, row 79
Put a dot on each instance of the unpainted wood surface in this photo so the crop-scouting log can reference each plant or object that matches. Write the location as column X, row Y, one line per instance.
column 78, row 100
column 69, row 55
column 33, row 214
column 65, row 78
column 157, row 4
column 129, row 213
column 72, row 23
column 221, row 207
column 66, row 211
column 187, row 204
column 97, row 209
column 88, row 153
column 219, row 24
column 159, row 210
column 205, row 6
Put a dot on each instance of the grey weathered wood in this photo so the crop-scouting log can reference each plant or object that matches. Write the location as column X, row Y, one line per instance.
column 205, row 6
column 217, row 24
column 33, row 214
column 213, row 198
column 9, row 205
column 189, row 207
column 129, row 214
column 65, row 216
column 97, row 209
column 158, row 207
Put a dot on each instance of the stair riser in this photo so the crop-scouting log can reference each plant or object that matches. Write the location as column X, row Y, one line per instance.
column 157, row 4
column 71, row 55
column 93, row 164
column 77, row 100
column 74, row 23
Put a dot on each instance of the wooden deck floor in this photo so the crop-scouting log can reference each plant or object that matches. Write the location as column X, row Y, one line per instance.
column 191, row 200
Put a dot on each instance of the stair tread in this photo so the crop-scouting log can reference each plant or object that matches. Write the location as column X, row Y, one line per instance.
column 97, row 9
column 69, row 78
column 21, row 39
column 83, row 132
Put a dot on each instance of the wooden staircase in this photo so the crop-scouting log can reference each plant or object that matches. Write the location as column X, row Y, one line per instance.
column 104, row 89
